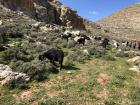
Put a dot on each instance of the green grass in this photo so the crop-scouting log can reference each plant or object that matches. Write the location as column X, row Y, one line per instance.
column 7, row 100
column 82, row 83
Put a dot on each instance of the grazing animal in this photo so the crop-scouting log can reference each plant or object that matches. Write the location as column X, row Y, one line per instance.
column 129, row 44
column 124, row 43
column 92, row 39
column 115, row 43
column 98, row 38
column 138, row 44
column 88, row 42
column 76, row 38
column 105, row 42
column 66, row 35
column 134, row 45
column 79, row 40
column 86, row 37
column 53, row 55
column 76, row 33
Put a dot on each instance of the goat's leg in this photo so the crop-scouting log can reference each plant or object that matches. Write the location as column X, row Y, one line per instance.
column 61, row 64
column 53, row 63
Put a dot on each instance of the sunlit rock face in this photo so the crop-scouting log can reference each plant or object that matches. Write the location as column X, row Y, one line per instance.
column 49, row 11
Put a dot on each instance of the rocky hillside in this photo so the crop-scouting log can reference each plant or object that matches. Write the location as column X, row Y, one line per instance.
column 48, row 11
column 124, row 23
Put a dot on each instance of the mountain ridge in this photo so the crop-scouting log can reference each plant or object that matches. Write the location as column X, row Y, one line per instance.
column 124, row 23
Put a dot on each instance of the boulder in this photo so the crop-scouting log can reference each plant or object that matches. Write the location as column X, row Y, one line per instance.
column 132, row 53
column 134, row 60
column 86, row 52
column 1, row 22
column 7, row 76
column 135, row 69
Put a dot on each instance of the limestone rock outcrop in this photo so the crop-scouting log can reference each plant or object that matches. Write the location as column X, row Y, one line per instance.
column 7, row 76
column 49, row 11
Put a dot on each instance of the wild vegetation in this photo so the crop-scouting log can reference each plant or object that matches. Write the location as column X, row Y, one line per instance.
column 102, row 77
column 91, row 74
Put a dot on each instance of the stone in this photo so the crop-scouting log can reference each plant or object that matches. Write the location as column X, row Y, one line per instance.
column 135, row 69
column 86, row 52
column 1, row 22
column 7, row 76
column 134, row 60
column 132, row 53
column 69, row 72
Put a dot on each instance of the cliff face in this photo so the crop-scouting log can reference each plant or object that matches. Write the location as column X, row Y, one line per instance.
column 49, row 11
column 21, row 5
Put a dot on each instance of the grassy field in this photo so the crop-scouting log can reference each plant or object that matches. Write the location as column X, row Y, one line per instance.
column 96, row 82
column 104, row 79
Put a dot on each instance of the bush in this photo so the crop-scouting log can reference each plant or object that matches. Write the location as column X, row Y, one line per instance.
column 108, row 58
column 97, row 51
column 121, row 54
column 71, row 44
column 16, row 53
column 78, row 56
column 7, row 100
column 68, row 62
column 134, row 95
column 35, row 70
column 52, row 102
column 16, row 31
column 16, row 84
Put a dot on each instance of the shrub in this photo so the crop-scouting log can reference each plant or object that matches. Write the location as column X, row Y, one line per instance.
column 60, row 43
column 52, row 102
column 97, row 51
column 68, row 62
column 71, row 44
column 16, row 53
column 134, row 95
column 16, row 31
column 35, row 69
column 78, row 56
column 110, row 102
column 16, row 84
column 118, row 81
column 7, row 100
column 92, row 51
column 108, row 58
column 121, row 54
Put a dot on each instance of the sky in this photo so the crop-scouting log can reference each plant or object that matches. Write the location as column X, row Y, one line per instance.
column 97, row 9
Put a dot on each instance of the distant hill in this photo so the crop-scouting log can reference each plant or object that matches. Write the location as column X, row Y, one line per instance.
column 124, row 23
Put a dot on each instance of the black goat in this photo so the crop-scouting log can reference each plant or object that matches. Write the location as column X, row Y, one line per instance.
column 66, row 36
column 105, row 42
column 53, row 55
column 81, row 41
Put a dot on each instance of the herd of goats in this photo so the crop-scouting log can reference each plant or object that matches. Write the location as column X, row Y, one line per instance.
column 102, row 41
column 81, row 39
